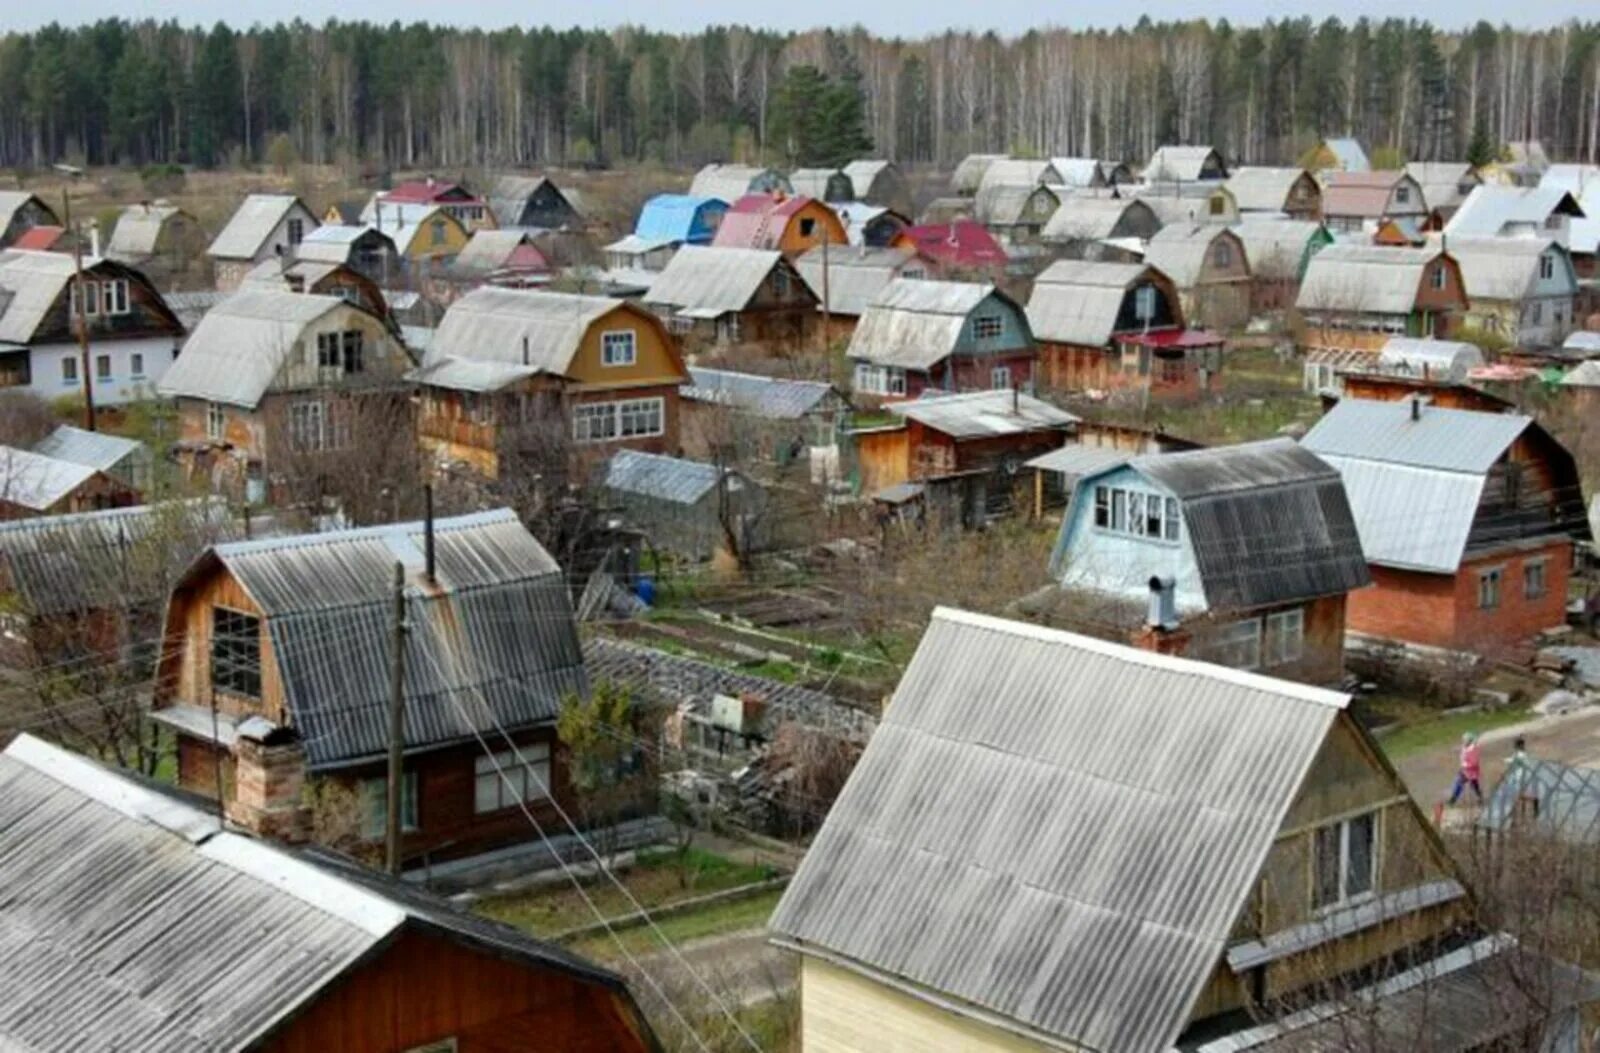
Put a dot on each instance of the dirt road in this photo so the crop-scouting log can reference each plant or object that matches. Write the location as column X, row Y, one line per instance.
column 1572, row 739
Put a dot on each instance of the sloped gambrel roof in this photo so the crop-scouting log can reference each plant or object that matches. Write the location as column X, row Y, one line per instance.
column 1376, row 279
column 915, row 324
column 706, row 282
column 252, row 223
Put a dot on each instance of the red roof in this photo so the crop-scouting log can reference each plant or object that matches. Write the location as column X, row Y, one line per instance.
column 964, row 243
column 757, row 221
column 39, row 239
column 427, row 192
column 1178, row 338
column 526, row 257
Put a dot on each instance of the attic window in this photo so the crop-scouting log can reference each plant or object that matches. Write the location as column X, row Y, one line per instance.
column 1436, row 276
column 1346, row 864
column 297, row 231
column 808, row 227
column 988, row 327
column 235, row 652
column 1402, row 195
column 1222, row 254
column 1547, row 267
column 618, row 348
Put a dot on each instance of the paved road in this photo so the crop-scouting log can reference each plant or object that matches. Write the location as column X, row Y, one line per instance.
column 1572, row 739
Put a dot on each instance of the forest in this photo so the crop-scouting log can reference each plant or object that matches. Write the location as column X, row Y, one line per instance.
column 140, row 93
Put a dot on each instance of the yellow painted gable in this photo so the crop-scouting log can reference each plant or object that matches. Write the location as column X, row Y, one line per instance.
column 657, row 359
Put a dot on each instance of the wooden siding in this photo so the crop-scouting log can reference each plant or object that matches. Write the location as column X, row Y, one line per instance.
column 425, row 988
column 824, row 224
column 883, row 458
column 186, row 672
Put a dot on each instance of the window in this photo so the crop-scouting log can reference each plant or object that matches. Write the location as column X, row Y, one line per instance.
column 1534, row 583
column 438, row 232
column 594, row 422
column 640, row 417
column 1536, row 313
column 375, row 806
column 1000, row 378
column 69, row 370
column 808, row 227
column 351, row 345
column 1346, row 861
column 1547, row 267
column 328, row 350
column 1553, row 221
column 114, row 297
column 235, row 652
column 1237, row 645
column 102, row 367
column 680, row 325
column 297, row 231
column 1219, row 205
column 1171, row 520
column 879, row 380
column 1144, row 303
column 988, row 327
column 216, row 420
column 136, row 364
column 1135, row 512
column 1222, row 254
column 1102, row 507
column 896, row 381
column 619, row 348
column 307, row 426
column 1285, row 636
column 503, row 781
column 1402, row 195
column 1489, row 588
column 1436, row 276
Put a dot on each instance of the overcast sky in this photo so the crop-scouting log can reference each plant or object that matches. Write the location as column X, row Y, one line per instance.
column 887, row 17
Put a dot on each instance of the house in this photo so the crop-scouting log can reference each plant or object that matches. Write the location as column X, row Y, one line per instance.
column 1081, row 225
column 758, row 418
column 978, row 441
column 263, row 227
column 1208, row 265
column 491, row 649
column 959, row 250
column 365, row 250
column 467, row 208
column 666, row 223
column 1094, row 322
column 322, row 279
column 1279, row 251
column 1445, row 185
column 968, row 174
column 847, row 279
column 1413, row 363
column 1495, row 211
column 687, row 508
column 1087, row 173
column 1357, row 296
column 493, row 255
column 271, row 377
column 32, row 484
column 1015, row 213
column 1130, row 851
column 1520, row 290
column 532, row 201
column 1290, row 192
column 877, row 182
column 1338, row 155
column 425, row 236
column 1583, row 233
column 921, row 335
column 132, row 334
column 1185, row 164
column 158, row 237
column 1361, row 200
column 20, row 212
column 1501, row 502
column 1016, row 171
column 731, row 296
column 128, row 461
column 317, row 952
column 516, row 375
column 945, row 210
column 1272, row 600
column 1094, row 446
column 730, row 182
column 871, row 225
column 825, row 184
column 1190, row 202
column 790, row 224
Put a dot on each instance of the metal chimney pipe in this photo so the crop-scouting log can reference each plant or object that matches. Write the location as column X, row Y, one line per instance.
column 1163, row 612
column 427, row 532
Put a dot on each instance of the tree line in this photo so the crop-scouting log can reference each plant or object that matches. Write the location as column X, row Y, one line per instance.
column 402, row 96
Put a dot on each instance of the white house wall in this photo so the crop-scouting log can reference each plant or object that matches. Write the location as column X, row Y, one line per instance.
column 123, row 387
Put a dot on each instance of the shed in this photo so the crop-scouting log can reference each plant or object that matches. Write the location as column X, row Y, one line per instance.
column 126, row 460
column 730, row 182
column 33, row 484
column 688, row 508
column 1185, row 164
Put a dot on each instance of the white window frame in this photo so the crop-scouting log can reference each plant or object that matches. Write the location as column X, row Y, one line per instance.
column 530, row 777
column 1136, row 513
column 1345, row 895
column 1539, row 568
column 619, row 347
column 1237, row 644
column 1491, row 582
column 1284, row 637
column 102, row 368
column 308, row 426
column 86, row 298
column 114, row 296
column 216, row 421
column 594, row 422
column 1402, row 195
column 641, row 418
column 375, row 806
column 982, row 323
column 1547, row 267
column 1000, row 378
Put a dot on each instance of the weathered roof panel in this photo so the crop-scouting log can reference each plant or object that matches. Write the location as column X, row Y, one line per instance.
column 95, row 449
column 241, row 344
column 36, row 482
column 775, row 398
column 713, row 281
column 251, row 224
column 984, row 414
column 664, row 478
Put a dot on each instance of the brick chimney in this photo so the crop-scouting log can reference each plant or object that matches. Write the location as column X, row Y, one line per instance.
column 1161, row 631
column 269, row 774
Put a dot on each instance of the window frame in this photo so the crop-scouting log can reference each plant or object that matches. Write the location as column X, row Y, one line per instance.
column 239, row 671
column 102, row 368
column 216, row 421
column 652, row 411
column 1491, row 585
column 308, row 426
column 1538, row 567
column 1000, row 378
column 982, row 323
column 1137, row 513
column 1244, row 633
column 374, row 794
column 1344, row 896
column 136, row 364
column 1274, row 634
column 69, row 371
column 486, row 775
column 594, row 422
column 625, row 339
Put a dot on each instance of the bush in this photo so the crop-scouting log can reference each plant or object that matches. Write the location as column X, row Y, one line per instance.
column 163, row 180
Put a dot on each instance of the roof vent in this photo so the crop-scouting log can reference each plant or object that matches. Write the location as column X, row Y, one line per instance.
column 1416, row 407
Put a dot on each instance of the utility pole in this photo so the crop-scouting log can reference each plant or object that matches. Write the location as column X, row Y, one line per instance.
column 81, row 305
column 827, row 320
column 397, row 724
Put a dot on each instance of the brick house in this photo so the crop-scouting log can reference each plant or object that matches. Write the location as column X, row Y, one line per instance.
column 945, row 336
column 1467, row 519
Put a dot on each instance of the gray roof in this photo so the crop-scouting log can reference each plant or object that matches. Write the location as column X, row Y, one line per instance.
column 817, row 182
column 1414, row 485
column 1276, row 247
column 984, row 414
column 36, row 482
column 138, row 230
column 1376, row 279
column 1077, row 301
column 856, row 274
column 133, row 921
column 193, row 305
column 1441, row 181
column 241, row 344
column 1348, row 154
column 1583, row 375
column 252, row 223
column 492, row 336
column 1082, row 217
column 1258, row 189
column 34, row 282
column 1492, row 210
column 1504, row 268
column 1006, row 204
column 1077, row 459
column 11, row 201
column 1438, row 359
column 333, row 243
column 708, row 282
column 1014, row 171
column 969, row 171
column 1582, row 340
column 729, row 182
column 492, row 642
column 915, row 324
column 487, row 250
column 93, row 449
column 673, row 479
column 863, row 173
column 1178, row 163
column 1078, row 171
column 1179, row 250
column 774, row 398
column 511, row 193
column 1268, row 521
column 1056, row 831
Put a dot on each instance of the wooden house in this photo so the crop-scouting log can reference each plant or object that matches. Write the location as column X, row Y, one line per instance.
column 730, row 182
column 20, row 212
column 500, row 256
column 157, row 237
column 1082, row 225
column 666, row 223
column 961, row 250
column 1190, row 203
column 847, row 279
column 968, row 173
column 318, row 952
column 426, row 237
column 322, row 279
column 1279, row 251
column 1494, row 211
column 1207, row 263
column 733, row 296
column 1289, row 192
column 874, row 226
column 1338, row 155
column 133, row 334
column 1185, row 164
column 921, row 335
column 366, row 250
column 1445, row 185
column 555, row 380
column 532, row 201
column 1016, row 213
column 825, row 184
column 1095, row 322
column 1357, row 201
column 750, row 418
column 467, row 208
column 1271, row 601
column 877, row 182
column 1502, row 506
column 1208, row 896
column 32, row 484
column 263, row 227
column 790, row 224
column 273, row 381
column 1357, row 296
column 688, row 508
column 1520, row 290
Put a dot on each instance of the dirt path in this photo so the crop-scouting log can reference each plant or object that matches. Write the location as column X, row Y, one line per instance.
column 1572, row 739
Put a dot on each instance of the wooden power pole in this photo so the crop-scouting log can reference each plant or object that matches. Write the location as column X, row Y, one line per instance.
column 81, row 305
column 397, row 726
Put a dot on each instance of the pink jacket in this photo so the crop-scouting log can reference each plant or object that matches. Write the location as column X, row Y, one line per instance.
column 1471, row 761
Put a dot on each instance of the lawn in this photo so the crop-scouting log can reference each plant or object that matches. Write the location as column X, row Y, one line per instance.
column 1420, row 729
column 654, row 880
column 715, row 920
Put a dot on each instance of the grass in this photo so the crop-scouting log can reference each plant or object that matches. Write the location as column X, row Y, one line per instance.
column 717, row 919
column 654, row 880
column 1422, row 729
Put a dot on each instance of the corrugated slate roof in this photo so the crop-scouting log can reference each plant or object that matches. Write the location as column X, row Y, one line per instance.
column 1077, row 459
column 94, row 449
column 518, row 331
column 1276, row 248
column 1361, row 193
column 1441, row 181
column 241, row 344
column 35, row 281
column 1184, row 164
column 712, row 281
column 1492, row 210
column 820, row 183
column 1056, row 830
column 1078, row 172
column 1260, row 189
column 916, row 323
column 1447, row 439
column 673, row 479
column 36, row 482
column 138, row 230
column 1077, row 301
column 511, row 193
column 1015, row 172
column 1006, row 204
column 1081, row 217
column 969, row 172
column 252, row 223
column 775, row 398
column 1505, row 268
column 857, row 274
column 984, row 414
column 1179, row 250
column 11, row 201
column 863, row 173
column 1376, row 279
column 729, row 182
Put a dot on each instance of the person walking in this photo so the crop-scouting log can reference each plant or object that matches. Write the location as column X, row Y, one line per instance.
column 1471, row 771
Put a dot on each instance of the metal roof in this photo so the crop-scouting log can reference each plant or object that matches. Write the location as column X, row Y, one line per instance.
column 242, row 344
column 138, row 230
column 731, row 182
column 252, row 223
column 1442, row 438
column 511, row 194
column 1081, row 217
column 1185, row 164
column 676, row 217
column 1055, row 830
column 858, row 215
column 664, row 478
column 12, row 201
column 1078, row 172
column 1375, row 279
column 915, row 323
column 191, row 306
column 490, row 250
column 1492, row 210
column 1506, row 268
column 1438, row 359
column 863, row 173
column 99, row 450
column 1026, row 173
column 133, row 921
column 969, row 172
column 775, row 398
column 1568, row 801
column 820, row 183
column 1078, row 301
column 1348, row 154
column 1276, row 248
column 36, row 482
column 492, row 641
column 1441, row 181
column 712, row 281
column 1583, row 375
column 333, row 243
column 984, row 414
column 1180, row 250
column 34, row 282
column 1363, row 193
column 1078, row 459
column 857, row 274
column 512, row 333
column 1006, row 204
column 1260, row 189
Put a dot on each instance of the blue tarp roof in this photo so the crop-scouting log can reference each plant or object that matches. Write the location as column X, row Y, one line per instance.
column 679, row 217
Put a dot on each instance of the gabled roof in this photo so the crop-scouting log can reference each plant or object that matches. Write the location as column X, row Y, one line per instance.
column 12, row 201
column 915, row 323
column 676, row 480
column 730, row 182
column 856, row 274
column 241, row 344
column 1181, row 164
column 1364, row 194
column 252, row 223
column 858, row 215
column 773, row 398
column 1276, row 248
column 1078, row 301
column 1085, row 218
column 518, row 331
column 1492, row 210
column 333, row 242
column 511, row 194
column 708, row 282
column 36, row 482
column 1441, row 181
column 1373, row 279
column 428, row 190
column 404, row 223
column 964, row 243
column 820, row 183
column 1258, row 189
column 1348, row 155
column 863, row 173
column 99, row 450
column 1180, row 250
column 1437, row 359
column 1056, row 831
column 676, row 217
column 1506, row 268
column 1078, row 172
column 758, row 221
column 491, row 250
column 138, row 230
column 969, row 172
column 984, row 414
column 34, row 281
column 129, row 956
column 1014, row 171
column 1006, row 204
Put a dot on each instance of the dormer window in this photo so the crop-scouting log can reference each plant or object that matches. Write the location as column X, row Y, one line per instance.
column 1547, row 266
